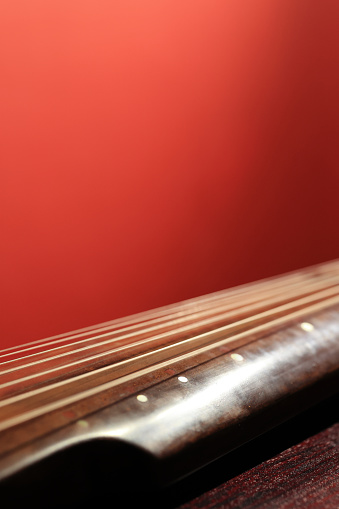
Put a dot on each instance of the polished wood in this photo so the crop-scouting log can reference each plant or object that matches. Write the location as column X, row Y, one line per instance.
column 294, row 465
column 185, row 383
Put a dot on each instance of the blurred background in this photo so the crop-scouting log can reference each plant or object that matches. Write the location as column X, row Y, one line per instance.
column 152, row 151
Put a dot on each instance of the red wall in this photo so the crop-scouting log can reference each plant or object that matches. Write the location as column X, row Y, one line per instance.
column 157, row 150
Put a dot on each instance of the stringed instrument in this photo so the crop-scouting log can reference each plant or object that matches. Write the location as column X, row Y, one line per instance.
column 176, row 387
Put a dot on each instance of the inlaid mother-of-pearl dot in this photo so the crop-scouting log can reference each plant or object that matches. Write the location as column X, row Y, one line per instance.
column 182, row 379
column 306, row 326
column 142, row 398
column 237, row 357
column 82, row 424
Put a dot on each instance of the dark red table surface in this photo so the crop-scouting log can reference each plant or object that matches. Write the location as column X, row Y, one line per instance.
column 305, row 475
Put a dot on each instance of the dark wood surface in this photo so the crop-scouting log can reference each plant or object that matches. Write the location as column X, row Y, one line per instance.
column 247, row 377
column 294, row 465
column 305, row 475
column 225, row 387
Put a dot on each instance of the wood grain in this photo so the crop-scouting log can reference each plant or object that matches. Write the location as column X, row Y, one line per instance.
column 305, row 476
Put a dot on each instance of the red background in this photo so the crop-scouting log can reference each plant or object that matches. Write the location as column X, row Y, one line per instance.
column 153, row 151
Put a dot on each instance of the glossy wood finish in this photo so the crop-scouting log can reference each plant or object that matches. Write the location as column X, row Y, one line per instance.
column 248, row 359
column 294, row 465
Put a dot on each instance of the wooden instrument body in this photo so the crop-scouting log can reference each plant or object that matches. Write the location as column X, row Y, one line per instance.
column 177, row 387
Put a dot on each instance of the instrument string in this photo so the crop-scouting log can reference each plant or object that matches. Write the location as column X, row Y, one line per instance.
column 315, row 271
column 13, row 413
column 191, row 315
column 228, row 314
column 207, row 337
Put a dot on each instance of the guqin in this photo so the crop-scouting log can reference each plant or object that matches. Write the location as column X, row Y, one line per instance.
column 182, row 384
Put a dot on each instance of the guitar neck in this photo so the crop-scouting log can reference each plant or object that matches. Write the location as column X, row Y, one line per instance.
column 185, row 383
